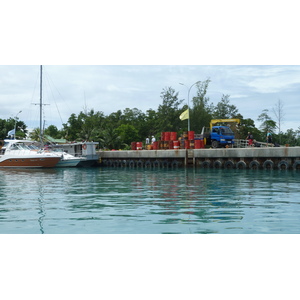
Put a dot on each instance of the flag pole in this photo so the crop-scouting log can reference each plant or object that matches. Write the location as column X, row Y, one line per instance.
column 16, row 120
column 189, row 89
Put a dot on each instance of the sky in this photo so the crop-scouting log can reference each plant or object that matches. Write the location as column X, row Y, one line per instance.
column 69, row 89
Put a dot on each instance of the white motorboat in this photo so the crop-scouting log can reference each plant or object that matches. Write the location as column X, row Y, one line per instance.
column 17, row 154
column 67, row 160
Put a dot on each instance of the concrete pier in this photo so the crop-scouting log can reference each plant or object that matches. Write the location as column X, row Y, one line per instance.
column 229, row 158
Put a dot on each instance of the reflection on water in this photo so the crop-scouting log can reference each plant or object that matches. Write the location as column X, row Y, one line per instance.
column 194, row 201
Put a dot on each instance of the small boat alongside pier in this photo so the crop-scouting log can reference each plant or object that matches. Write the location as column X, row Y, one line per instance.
column 84, row 151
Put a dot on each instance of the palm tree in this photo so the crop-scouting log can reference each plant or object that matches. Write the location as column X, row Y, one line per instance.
column 35, row 134
column 110, row 138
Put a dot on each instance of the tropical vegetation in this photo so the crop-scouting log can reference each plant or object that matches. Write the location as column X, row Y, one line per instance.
column 117, row 130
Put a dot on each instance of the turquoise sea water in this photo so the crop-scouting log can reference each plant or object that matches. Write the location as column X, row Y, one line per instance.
column 118, row 201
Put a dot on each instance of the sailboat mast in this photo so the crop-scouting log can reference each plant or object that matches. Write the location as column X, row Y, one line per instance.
column 41, row 104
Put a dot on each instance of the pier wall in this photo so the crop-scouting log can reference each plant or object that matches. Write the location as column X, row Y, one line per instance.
column 229, row 158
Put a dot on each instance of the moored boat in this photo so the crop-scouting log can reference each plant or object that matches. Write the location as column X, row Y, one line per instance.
column 17, row 154
column 86, row 151
column 67, row 160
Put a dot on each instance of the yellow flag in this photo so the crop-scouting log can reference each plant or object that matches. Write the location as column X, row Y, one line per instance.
column 185, row 115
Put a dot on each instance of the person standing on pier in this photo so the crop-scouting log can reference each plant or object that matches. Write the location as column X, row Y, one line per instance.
column 250, row 139
column 153, row 139
column 269, row 138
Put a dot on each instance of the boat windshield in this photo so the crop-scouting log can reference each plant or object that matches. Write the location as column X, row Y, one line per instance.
column 22, row 146
column 19, row 146
column 33, row 147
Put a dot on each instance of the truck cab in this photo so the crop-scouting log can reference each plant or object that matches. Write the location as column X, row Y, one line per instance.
column 217, row 136
column 221, row 136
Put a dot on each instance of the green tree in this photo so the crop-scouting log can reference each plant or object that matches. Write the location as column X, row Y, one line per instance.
column 248, row 125
column 224, row 110
column 85, row 126
column 151, row 124
column 115, row 119
column 35, row 134
column 10, row 124
column 110, row 138
column 290, row 137
column 267, row 124
column 137, row 119
column 201, row 112
column 3, row 130
column 52, row 131
column 127, row 133
column 168, row 112
column 72, row 128
column 91, row 124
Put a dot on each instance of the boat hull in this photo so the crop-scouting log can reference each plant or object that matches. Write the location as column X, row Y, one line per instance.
column 29, row 162
column 64, row 163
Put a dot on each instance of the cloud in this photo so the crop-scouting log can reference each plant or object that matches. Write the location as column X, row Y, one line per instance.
column 71, row 89
column 112, row 88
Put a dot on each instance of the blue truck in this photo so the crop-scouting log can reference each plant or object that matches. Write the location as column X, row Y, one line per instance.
column 219, row 136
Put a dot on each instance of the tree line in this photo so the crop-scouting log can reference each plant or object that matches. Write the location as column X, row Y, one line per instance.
column 117, row 130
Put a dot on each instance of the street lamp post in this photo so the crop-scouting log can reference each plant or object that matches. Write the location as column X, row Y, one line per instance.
column 189, row 89
column 16, row 118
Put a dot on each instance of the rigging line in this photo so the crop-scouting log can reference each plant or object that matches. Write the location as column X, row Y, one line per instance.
column 53, row 85
column 30, row 113
column 35, row 88
column 53, row 96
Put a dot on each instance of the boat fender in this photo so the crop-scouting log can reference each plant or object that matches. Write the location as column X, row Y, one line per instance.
column 165, row 164
column 217, row 164
column 156, row 164
column 268, row 164
column 131, row 164
column 148, row 164
column 254, row 164
column 229, row 164
column 205, row 164
column 283, row 165
column 175, row 164
column 296, row 165
column 241, row 165
column 140, row 163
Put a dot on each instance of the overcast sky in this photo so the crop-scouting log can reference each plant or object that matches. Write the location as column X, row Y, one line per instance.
column 108, row 88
